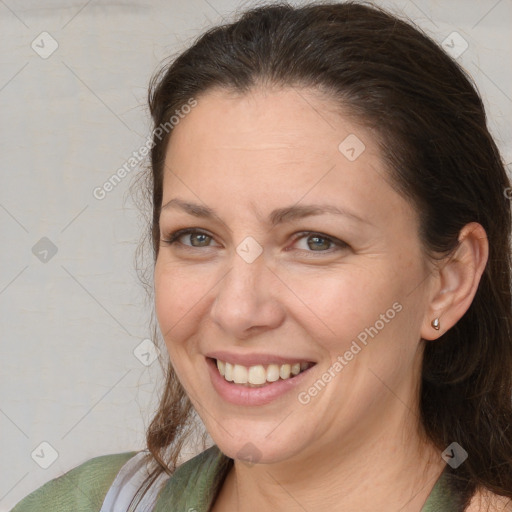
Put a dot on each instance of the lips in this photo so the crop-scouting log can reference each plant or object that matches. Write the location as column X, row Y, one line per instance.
column 247, row 394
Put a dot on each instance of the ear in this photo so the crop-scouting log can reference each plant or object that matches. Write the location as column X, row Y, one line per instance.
column 456, row 281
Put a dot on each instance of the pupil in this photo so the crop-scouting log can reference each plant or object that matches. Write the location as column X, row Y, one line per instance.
column 322, row 245
column 201, row 238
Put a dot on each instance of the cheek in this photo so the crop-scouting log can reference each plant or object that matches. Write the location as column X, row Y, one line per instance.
column 339, row 304
column 179, row 296
column 370, row 305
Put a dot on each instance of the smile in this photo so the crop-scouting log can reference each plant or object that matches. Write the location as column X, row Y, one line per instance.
column 260, row 375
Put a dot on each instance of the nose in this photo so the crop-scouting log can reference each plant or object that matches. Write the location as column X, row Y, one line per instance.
column 246, row 302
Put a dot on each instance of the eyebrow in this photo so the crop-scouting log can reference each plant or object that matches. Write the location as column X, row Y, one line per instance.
column 277, row 216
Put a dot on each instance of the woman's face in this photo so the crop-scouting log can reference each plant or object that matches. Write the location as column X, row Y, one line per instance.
column 303, row 253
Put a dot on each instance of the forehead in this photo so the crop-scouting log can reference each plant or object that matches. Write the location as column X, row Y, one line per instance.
column 281, row 143
column 266, row 120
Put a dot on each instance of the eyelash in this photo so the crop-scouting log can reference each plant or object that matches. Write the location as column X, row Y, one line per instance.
column 173, row 238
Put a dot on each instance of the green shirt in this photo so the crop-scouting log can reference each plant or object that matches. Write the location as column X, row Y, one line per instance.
column 194, row 485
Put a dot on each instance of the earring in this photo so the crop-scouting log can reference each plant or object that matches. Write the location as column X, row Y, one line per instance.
column 435, row 324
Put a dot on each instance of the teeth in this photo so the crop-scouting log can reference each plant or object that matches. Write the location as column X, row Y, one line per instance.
column 228, row 372
column 239, row 374
column 259, row 375
column 284, row 371
column 296, row 369
column 272, row 372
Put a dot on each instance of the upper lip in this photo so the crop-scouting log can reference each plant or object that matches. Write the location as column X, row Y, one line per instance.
column 253, row 359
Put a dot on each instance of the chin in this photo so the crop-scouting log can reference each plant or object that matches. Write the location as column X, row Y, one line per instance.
column 250, row 448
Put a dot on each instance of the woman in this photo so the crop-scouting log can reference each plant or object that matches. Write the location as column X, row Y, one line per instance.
column 332, row 278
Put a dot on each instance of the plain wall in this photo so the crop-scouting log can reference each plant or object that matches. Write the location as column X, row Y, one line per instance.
column 70, row 321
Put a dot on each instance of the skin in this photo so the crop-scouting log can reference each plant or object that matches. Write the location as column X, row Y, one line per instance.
column 359, row 441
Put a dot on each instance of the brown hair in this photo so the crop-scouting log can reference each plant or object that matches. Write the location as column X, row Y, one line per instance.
column 431, row 126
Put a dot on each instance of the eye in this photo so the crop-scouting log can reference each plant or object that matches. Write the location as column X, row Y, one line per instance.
column 196, row 238
column 318, row 242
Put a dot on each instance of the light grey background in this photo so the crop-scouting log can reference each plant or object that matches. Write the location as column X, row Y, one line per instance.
column 69, row 326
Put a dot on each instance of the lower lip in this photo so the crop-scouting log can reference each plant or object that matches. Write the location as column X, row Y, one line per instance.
column 242, row 395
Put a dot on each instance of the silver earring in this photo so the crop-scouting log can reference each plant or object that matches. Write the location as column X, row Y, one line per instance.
column 435, row 324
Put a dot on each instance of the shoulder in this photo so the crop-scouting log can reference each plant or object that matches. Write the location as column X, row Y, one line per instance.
column 485, row 501
column 82, row 489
